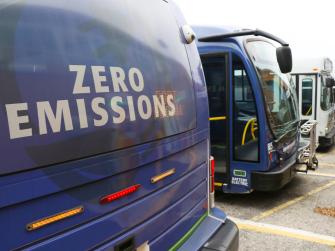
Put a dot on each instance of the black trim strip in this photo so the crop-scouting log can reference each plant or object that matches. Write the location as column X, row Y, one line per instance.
column 257, row 32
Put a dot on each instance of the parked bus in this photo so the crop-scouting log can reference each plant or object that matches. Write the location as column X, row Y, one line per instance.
column 254, row 119
column 314, row 83
column 104, row 130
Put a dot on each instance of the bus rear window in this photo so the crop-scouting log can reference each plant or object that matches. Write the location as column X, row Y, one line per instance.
column 77, row 84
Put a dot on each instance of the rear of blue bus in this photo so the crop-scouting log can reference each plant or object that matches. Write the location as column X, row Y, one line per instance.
column 104, row 130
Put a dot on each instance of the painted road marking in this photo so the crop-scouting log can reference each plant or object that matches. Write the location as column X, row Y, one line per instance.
column 291, row 202
column 284, row 231
column 325, row 164
column 319, row 174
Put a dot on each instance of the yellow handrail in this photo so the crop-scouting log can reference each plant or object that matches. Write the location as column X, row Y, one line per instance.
column 253, row 128
column 217, row 118
column 252, row 121
column 309, row 110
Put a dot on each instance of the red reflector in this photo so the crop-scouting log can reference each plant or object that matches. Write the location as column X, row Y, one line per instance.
column 212, row 171
column 114, row 196
column 212, row 165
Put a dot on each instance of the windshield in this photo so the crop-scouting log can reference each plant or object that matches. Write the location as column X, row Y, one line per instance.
column 278, row 94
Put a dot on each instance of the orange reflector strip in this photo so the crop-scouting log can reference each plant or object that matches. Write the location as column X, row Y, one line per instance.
column 163, row 175
column 122, row 193
column 56, row 217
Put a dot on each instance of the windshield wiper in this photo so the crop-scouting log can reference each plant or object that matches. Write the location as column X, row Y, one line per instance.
column 284, row 125
column 282, row 129
column 283, row 135
column 295, row 123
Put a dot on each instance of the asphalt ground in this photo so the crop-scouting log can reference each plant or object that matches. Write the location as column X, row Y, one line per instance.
column 300, row 216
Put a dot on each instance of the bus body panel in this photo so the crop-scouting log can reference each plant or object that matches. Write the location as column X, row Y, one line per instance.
column 81, row 84
column 96, row 99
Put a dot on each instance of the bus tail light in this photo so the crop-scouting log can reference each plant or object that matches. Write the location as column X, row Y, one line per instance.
column 270, row 156
column 212, row 171
column 122, row 193
column 211, row 181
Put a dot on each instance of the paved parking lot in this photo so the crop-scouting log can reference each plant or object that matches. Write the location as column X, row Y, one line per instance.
column 294, row 218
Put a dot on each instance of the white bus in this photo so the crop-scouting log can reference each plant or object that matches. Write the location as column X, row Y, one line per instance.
column 312, row 78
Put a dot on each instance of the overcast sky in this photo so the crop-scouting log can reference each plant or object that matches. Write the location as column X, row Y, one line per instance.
column 307, row 25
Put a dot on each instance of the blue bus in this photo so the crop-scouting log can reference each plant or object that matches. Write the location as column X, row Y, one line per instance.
column 104, row 130
column 254, row 118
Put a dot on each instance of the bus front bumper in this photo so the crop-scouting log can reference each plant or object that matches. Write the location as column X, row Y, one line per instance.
column 327, row 140
column 273, row 180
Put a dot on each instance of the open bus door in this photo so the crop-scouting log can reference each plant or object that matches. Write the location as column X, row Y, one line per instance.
column 217, row 77
column 307, row 96
column 233, row 120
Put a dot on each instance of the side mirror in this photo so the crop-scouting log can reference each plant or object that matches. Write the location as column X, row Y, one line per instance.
column 330, row 82
column 284, row 58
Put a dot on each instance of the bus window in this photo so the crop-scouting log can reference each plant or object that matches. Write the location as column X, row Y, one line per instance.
column 307, row 97
column 245, row 124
